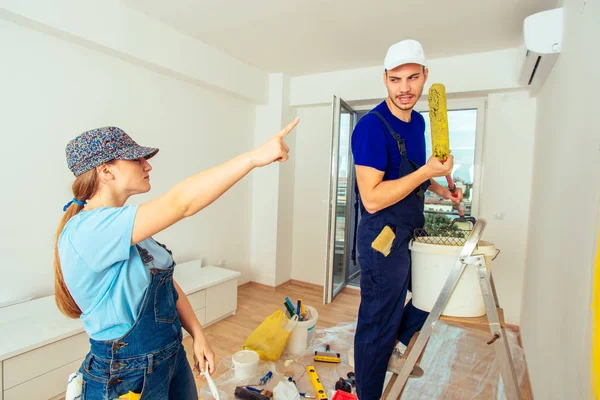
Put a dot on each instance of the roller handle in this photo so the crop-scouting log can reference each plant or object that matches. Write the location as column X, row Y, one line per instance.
column 452, row 189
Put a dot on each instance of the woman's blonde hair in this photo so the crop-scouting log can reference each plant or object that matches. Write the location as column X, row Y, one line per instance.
column 84, row 187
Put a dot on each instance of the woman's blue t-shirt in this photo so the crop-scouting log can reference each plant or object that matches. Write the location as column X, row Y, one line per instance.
column 104, row 272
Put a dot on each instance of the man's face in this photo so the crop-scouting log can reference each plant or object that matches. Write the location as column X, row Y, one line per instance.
column 405, row 85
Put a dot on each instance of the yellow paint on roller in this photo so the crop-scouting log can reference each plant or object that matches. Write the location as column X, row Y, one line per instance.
column 438, row 118
column 383, row 242
column 596, row 327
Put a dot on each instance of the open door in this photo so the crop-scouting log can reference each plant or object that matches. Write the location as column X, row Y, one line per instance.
column 340, row 268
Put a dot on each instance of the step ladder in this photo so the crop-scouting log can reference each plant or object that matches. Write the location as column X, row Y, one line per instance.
column 396, row 384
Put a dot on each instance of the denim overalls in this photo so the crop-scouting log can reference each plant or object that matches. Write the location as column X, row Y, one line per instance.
column 150, row 358
column 384, row 282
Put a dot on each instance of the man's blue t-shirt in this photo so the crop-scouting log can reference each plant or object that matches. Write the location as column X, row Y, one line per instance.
column 373, row 146
column 104, row 272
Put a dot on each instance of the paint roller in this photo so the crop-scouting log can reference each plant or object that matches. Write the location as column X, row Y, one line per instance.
column 440, row 138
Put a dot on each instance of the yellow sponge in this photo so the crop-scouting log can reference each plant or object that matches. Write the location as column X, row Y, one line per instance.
column 383, row 242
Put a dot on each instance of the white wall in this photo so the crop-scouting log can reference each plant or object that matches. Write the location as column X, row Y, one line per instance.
column 479, row 72
column 506, row 181
column 265, row 200
column 113, row 29
column 53, row 90
column 311, row 194
column 272, row 201
column 556, row 319
column 287, row 182
column 506, row 188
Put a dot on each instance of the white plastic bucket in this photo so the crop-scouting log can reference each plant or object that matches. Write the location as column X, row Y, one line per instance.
column 303, row 334
column 245, row 364
column 431, row 265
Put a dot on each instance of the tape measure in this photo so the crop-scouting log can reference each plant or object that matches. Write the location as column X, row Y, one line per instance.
column 316, row 382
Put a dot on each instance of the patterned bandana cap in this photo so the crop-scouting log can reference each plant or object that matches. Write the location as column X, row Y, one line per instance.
column 98, row 146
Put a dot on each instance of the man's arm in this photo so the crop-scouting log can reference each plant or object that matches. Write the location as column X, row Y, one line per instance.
column 445, row 193
column 438, row 189
column 377, row 194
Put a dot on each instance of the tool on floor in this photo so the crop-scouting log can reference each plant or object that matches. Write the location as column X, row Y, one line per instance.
column 263, row 380
column 316, row 382
column 266, row 378
column 350, row 376
column 264, row 392
column 245, row 394
column 343, row 385
column 498, row 338
column 211, row 384
column 327, row 356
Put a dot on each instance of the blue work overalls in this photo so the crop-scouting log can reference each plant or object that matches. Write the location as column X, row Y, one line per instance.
column 384, row 282
column 150, row 358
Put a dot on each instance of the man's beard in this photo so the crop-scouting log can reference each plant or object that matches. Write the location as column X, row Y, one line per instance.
column 403, row 107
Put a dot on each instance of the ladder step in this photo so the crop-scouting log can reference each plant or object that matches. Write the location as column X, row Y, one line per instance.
column 483, row 321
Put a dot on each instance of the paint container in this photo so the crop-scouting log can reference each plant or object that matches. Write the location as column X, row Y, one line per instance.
column 430, row 267
column 245, row 364
column 303, row 334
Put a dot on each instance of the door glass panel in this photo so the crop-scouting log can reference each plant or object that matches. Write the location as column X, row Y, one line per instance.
column 342, row 197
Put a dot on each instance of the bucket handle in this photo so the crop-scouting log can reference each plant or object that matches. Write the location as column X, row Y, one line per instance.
column 496, row 256
column 292, row 323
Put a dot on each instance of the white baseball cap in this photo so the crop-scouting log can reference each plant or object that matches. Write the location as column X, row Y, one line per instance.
column 405, row 52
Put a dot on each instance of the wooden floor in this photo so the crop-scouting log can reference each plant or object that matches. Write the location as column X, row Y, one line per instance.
column 255, row 302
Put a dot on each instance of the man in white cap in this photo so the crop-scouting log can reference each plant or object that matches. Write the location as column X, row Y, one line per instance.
column 392, row 176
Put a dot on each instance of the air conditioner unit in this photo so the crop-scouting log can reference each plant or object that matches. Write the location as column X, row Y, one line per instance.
column 542, row 35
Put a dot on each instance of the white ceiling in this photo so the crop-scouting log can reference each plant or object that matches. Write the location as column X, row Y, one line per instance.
column 302, row 37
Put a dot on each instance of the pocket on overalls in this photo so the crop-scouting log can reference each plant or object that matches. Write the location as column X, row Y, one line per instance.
column 95, row 378
column 132, row 382
column 165, row 309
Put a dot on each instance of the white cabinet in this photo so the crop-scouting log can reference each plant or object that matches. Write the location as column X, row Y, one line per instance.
column 212, row 293
column 40, row 347
column 222, row 299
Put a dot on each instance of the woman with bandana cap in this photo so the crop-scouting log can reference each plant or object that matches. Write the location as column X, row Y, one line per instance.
column 118, row 280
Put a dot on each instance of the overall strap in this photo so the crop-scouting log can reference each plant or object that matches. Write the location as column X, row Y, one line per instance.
column 420, row 191
column 395, row 135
